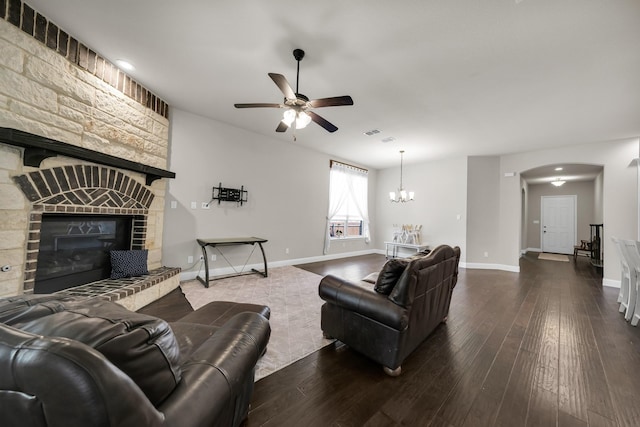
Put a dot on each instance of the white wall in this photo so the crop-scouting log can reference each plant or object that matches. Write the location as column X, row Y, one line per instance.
column 441, row 195
column 288, row 194
column 483, row 199
column 598, row 198
column 288, row 197
column 620, row 194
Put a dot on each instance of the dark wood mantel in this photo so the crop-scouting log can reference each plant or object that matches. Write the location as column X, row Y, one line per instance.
column 37, row 148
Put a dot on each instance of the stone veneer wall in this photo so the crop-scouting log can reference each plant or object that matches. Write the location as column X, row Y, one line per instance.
column 47, row 89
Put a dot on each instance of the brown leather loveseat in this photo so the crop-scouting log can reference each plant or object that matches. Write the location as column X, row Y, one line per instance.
column 68, row 362
column 386, row 323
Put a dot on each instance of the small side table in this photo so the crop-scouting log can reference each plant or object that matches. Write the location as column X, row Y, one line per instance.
column 228, row 242
column 395, row 245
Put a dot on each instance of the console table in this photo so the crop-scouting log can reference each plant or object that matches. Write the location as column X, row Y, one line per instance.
column 231, row 241
column 395, row 245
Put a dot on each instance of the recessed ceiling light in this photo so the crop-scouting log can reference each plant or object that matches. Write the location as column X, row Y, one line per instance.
column 125, row 65
column 558, row 169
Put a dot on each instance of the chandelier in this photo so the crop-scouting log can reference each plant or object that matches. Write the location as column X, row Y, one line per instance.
column 402, row 195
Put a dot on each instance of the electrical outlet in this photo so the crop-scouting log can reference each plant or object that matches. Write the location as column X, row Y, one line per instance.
column 213, row 257
column 174, row 204
column 286, row 251
column 194, row 205
column 205, row 205
column 486, row 254
column 190, row 259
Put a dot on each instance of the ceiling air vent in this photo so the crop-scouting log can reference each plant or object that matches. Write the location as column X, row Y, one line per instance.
column 388, row 139
column 371, row 132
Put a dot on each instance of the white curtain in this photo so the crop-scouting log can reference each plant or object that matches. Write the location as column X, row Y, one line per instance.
column 348, row 186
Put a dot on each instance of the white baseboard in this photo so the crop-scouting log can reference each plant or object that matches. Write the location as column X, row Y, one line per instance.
column 486, row 266
column 190, row 275
column 611, row 283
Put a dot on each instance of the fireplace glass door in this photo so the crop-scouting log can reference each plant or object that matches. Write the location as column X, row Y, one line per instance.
column 74, row 249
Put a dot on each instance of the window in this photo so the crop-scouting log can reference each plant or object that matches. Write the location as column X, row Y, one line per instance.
column 348, row 203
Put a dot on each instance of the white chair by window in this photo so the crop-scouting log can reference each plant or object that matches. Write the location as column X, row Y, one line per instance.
column 633, row 259
column 625, row 278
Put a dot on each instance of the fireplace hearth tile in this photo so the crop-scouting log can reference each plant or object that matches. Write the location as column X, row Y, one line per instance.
column 116, row 289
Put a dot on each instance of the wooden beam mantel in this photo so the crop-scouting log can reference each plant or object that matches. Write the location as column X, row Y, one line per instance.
column 37, row 148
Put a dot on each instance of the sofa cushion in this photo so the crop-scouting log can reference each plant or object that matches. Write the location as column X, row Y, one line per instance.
column 29, row 307
column 389, row 275
column 421, row 269
column 128, row 263
column 371, row 277
column 392, row 270
column 143, row 347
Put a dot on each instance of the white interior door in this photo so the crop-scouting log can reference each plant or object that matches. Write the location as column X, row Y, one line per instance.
column 558, row 224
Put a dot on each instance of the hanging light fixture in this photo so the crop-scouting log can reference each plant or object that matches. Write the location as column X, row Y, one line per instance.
column 402, row 195
column 557, row 182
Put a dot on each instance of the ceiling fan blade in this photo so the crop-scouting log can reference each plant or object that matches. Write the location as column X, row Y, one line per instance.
column 282, row 127
column 257, row 105
column 322, row 122
column 283, row 84
column 331, row 102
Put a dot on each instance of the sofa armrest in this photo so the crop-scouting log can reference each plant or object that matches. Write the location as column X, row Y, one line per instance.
column 58, row 381
column 219, row 373
column 368, row 303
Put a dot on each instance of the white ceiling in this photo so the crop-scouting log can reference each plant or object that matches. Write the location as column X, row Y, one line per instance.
column 443, row 78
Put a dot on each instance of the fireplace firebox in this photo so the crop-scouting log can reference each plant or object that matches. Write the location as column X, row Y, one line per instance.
column 74, row 249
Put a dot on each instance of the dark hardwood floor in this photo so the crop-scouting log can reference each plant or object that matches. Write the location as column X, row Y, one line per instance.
column 545, row 347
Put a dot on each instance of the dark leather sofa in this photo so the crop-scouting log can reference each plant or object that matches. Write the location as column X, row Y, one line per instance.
column 387, row 322
column 68, row 362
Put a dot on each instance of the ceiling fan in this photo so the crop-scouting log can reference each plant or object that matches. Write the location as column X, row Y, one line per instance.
column 297, row 106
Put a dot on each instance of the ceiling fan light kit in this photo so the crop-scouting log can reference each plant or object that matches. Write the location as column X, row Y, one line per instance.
column 297, row 106
column 300, row 118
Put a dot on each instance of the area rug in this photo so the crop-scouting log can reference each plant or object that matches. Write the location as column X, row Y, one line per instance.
column 292, row 295
column 553, row 257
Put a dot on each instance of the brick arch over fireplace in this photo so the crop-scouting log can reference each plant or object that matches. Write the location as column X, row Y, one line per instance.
column 76, row 190
column 83, row 185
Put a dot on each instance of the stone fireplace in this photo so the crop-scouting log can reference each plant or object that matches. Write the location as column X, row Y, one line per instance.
column 54, row 87
column 83, row 194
